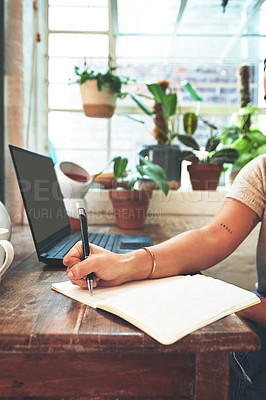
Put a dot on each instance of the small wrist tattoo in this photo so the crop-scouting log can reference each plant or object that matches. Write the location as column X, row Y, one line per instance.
column 226, row 227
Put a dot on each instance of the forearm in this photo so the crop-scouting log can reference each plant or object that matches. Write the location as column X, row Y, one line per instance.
column 186, row 253
column 198, row 249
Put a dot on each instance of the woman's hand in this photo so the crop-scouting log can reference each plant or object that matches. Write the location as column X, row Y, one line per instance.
column 109, row 269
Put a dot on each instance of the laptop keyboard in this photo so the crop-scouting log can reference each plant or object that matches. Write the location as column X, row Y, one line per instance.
column 105, row 240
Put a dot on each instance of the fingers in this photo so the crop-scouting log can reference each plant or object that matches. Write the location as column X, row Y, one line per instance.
column 98, row 263
column 79, row 270
column 74, row 255
column 82, row 283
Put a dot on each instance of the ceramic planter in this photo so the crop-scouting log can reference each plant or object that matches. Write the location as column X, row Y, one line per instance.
column 97, row 104
column 169, row 157
column 130, row 207
column 204, row 176
column 74, row 183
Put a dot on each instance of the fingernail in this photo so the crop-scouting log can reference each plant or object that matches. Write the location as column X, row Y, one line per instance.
column 70, row 275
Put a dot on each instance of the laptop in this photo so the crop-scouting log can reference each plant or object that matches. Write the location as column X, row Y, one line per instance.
column 47, row 216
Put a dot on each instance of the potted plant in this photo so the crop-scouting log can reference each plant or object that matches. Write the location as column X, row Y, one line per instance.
column 206, row 162
column 244, row 136
column 130, row 201
column 165, row 153
column 166, row 131
column 99, row 91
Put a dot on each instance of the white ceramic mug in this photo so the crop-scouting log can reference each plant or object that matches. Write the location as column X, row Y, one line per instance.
column 6, row 251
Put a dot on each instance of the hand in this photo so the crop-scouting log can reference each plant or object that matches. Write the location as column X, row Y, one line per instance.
column 109, row 268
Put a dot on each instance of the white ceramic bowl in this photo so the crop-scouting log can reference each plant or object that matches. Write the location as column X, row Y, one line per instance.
column 73, row 179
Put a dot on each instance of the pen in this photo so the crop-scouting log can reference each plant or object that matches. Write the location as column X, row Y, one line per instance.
column 85, row 244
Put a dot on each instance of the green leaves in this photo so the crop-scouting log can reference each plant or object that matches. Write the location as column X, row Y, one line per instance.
column 190, row 122
column 148, row 170
column 212, row 143
column 169, row 104
column 189, row 89
column 142, row 106
column 154, row 172
column 224, row 156
column 120, row 165
column 157, row 92
column 168, row 101
column 189, row 141
column 256, row 137
column 113, row 81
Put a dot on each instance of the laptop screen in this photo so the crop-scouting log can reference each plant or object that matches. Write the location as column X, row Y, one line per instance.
column 41, row 194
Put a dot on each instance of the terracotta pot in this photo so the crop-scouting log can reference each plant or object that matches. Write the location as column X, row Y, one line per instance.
column 106, row 179
column 204, row 176
column 130, row 207
column 97, row 104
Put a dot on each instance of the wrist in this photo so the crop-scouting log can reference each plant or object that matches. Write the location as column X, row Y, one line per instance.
column 136, row 265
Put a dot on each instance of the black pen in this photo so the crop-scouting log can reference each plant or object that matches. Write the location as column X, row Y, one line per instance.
column 85, row 244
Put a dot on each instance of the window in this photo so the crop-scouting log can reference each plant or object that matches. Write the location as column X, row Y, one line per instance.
column 149, row 40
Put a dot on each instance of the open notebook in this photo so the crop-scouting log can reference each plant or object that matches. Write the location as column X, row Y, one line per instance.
column 167, row 309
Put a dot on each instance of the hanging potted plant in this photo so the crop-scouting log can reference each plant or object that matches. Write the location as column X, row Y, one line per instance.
column 166, row 152
column 130, row 201
column 99, row 91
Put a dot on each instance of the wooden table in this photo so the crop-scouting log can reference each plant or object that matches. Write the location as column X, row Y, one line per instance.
column 52, row 346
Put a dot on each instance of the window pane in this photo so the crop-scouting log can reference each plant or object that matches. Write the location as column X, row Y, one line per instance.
column 262, row 24
column 75, row 130
column 77, row 45
column 189, row 49
column 142, row 46
column 156, row 16
column 64, row 96
column 78, row 18
column 79, row 3
column 206, row 16
column 74, row 137
column 128, row 134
